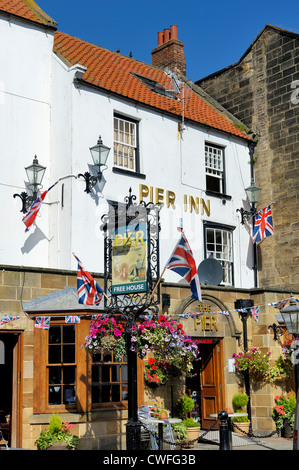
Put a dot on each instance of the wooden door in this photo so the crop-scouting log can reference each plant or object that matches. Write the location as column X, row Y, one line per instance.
column 212, row 386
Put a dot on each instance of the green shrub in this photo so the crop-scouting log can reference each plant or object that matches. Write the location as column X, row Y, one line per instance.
column 55, row 424
column 240, row 400
column 190, row 423
column 184, row 405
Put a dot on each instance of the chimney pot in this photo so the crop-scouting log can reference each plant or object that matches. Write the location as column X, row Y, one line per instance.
column 173, row 31
column 160, row 38
column 166, row 35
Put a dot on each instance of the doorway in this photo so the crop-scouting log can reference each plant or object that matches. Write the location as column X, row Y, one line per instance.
column 207, row 386
column 10, row 386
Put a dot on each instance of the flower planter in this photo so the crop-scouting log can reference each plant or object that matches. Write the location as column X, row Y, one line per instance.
column 286, row 431
column 59, row 446
column 193, row 433
column 242, row 427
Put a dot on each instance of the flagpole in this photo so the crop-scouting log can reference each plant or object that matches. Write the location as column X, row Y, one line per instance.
column 155, row 288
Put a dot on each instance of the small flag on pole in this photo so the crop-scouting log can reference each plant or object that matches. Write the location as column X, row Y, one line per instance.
column 30, row 217
column 182, row 262
column 263, row 225
column 89, row 292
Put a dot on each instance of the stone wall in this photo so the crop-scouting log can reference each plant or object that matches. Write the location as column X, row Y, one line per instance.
column 106, row 430
column 258, row 91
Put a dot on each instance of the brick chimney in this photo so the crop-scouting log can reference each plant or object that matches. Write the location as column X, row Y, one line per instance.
column 169, row 52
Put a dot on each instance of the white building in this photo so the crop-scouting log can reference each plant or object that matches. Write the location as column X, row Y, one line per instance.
column 176, row 147
column 56, row 103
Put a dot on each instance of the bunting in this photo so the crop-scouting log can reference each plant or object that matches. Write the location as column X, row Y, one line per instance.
column 72, row 319
column 255, row 313
column 42, row 322
column 7, row 319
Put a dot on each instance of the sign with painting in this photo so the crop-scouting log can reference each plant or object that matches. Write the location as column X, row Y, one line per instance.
column 129, row 259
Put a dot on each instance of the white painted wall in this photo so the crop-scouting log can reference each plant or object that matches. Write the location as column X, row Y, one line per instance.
column 44, row 113
column 25, row 112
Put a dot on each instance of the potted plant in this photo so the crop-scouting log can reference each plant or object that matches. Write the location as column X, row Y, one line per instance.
column 283, row 414
column 184, row 405
column 180, row 432
column 193, row 429
column 58, row 436
column 240, row 423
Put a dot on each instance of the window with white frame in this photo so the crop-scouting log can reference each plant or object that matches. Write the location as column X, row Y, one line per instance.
column 125, row 144
column 219, row 245
column 214, row 165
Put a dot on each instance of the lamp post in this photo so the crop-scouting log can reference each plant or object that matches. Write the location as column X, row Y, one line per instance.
column 35, row 173
column 290, row 315
column 253, row 194
column 99, row 153
column 131, row 241
column 243, row 306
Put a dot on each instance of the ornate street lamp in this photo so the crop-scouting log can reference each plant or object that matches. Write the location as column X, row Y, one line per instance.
column 131, row 258
column 290, row 315
column 253, row 194
column 99, row 153
column 35, row 174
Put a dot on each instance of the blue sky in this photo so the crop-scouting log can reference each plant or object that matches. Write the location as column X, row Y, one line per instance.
column 215, row 33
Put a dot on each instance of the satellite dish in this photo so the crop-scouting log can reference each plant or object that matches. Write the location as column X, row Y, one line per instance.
column 210, row 272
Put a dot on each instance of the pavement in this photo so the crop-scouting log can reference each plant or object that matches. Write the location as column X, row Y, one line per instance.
column 211, row 442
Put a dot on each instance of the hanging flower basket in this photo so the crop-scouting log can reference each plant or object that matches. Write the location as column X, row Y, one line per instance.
column 156, row 373
column 106, row 334
column 173, row 350
column 253, row 361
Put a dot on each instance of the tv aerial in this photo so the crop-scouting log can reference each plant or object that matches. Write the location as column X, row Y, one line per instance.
column 210, row 272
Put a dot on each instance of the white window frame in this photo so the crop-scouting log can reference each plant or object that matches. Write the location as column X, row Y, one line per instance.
column 125, row 143
column 219, row 245
column 214, row 165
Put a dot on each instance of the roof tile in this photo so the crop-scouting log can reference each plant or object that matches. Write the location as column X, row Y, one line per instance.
column 114, row 72
column 27, row 9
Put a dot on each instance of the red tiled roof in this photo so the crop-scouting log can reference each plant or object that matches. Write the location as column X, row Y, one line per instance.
column 113, row 72
column 27, row 9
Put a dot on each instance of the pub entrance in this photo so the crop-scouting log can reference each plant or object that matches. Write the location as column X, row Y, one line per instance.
column 207, row 386
column 10, row 389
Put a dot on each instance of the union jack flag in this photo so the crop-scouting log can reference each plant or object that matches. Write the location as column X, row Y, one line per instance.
column 29, row 218
column 72, row 319
column 255, row 312
column 89, row 292
column 42, row 322
column 263, row 225
column 280, row 304
column 7, row 319
column 182, row 262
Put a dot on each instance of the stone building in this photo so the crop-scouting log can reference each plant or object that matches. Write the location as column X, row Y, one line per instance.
column 261, row 89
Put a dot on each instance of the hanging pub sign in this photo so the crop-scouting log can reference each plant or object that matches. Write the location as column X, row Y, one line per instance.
column 129, row 259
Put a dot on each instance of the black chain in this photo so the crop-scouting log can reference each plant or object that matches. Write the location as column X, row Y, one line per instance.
column 202, row 436
column 253, row 435
column 178, row 443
